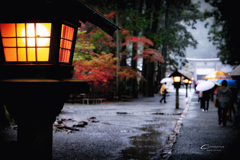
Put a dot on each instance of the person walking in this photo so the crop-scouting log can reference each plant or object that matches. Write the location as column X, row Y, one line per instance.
column 223, row 98
column 200, row 96
column 205, row 101
column 163, row 92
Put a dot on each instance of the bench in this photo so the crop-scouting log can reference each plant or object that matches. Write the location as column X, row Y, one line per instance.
column 93, row 97
column 126, row 98
column 76, row 98
column 83, row 98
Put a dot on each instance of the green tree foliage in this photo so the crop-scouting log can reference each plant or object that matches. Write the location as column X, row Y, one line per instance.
column 224, row 31
column 175, row 36
column 161, row 21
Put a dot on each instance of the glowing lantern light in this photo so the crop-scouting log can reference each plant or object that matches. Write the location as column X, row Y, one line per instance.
column 177, row 79
column 41, row 31
column 30, row 42
column 26, row 42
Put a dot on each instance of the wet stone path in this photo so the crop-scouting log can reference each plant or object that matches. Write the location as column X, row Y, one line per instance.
column 124, row 130
column 202, row 138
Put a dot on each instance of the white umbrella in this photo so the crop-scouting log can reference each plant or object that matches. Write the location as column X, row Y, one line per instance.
column 205, row 85
column 167, row 80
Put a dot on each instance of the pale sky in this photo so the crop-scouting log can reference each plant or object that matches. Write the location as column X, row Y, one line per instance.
column 205, row 49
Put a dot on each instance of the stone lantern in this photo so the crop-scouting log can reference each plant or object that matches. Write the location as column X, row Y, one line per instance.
column 177, row 78
column 37, row 40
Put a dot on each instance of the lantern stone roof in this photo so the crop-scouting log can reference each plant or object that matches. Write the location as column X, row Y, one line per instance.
column 73, row 10
column 186, row 74
column 99, row 20
column 181, row 74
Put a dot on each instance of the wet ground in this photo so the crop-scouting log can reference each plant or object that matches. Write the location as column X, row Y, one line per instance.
column 202, row 138
column 139, row 129
column 122, row 130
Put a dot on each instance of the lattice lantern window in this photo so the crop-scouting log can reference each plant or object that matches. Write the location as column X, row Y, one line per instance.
column 31, row 42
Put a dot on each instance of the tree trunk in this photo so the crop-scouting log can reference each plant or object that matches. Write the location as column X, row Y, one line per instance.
column 134, row 67
column 156, row 4
column 138, row 4
column 164, row 47
column 158, row 75
column 150, row 76
column 144, row 74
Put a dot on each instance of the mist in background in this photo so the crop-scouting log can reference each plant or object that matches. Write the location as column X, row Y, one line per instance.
column 205, row 49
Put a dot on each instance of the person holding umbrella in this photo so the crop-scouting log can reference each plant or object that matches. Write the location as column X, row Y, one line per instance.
column 204, row 87
column 163, row 92
column 223, row 98
column 232, row 85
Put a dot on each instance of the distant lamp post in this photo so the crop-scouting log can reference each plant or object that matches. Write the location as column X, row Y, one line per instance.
column 177, row 83
column 36, row 51
column 186, row 82
column 177, row 78
column 190, row 84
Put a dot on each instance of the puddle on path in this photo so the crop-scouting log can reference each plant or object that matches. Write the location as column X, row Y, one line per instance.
column 160, row 113
column 145, row 146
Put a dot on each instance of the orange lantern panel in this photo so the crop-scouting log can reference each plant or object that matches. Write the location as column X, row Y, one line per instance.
column 26, row 42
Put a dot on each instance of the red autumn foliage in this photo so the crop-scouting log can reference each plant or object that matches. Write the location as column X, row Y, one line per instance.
column 110, row 14
column 127, row 72
column 125, row 32
column 101, row 68
column 98, row 70
column 151, row 54
column 135, row 39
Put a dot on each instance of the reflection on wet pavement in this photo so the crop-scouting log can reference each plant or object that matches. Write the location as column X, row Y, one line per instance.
column 150, row 145
column 145, row 146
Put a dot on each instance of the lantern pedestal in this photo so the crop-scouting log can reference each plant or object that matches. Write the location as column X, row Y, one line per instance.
column 177, row 98
column 35, row 140
column 34, row 105
column 177, row 86
column 186, row 89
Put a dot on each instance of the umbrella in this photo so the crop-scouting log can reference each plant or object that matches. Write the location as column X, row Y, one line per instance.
column 204, row 86
column 167, row 80
column 231, row 83
column 213, row 80
column 217, row 75
column 199, row 81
